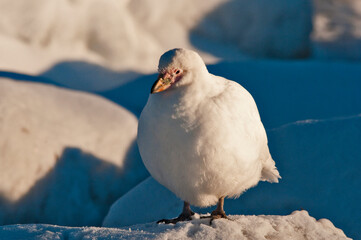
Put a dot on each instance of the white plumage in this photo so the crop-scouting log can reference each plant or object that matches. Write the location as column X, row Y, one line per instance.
column 202, row 137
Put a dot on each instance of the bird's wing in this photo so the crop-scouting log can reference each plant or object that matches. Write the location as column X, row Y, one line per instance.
column 244, row 109
column 232, row 114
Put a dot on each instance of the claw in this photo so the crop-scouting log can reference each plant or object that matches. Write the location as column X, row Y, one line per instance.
column 186, row 215
column 180, row 218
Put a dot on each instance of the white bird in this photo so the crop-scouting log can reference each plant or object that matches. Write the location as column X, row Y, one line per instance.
column 201, row 135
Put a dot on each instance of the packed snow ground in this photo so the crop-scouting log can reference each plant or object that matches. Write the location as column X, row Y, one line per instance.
column 298, row 225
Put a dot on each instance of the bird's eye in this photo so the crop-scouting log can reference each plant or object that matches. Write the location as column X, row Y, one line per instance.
column 177, row 72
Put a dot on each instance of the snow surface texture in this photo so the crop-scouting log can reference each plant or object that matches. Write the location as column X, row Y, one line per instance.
column 280, row 87
column 65, row 155
column 262, row 28
column 284, row 91
column 337, row 29
column 80, row 44
column 319, row 161
column 129, row 36
column 70, row 41
column 289, row 91
column 298, row 225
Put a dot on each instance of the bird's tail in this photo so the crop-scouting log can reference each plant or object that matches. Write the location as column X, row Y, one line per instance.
column 269, row 171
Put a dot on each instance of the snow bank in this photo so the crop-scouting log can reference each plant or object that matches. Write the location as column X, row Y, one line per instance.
column 104, row 30
column 129, row 36
column 337, row 30
column 285, row 91
column 288, row 91
column 278, row 29
column 147, row 202
column 298, row 225
column 319, row 162
column 65, row 155
column 78, row 36
column 115, row 34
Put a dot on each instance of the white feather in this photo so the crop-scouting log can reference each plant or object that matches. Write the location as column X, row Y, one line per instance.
column 203, row 138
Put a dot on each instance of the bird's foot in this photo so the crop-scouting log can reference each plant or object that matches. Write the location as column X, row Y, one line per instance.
column 217, row 215
column 183, row 217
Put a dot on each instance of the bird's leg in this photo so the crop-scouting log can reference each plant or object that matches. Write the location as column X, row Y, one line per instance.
column 186, row 215
column 219, row 212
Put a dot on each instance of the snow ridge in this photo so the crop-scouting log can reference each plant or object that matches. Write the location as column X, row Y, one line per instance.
column 298, row 225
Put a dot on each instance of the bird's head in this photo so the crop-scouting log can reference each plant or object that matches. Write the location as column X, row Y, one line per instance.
column 177, row 67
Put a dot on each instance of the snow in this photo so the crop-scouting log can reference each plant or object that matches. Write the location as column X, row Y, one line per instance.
column 279, row 29
column 337, row 30
column 298, row 225
column 110, row 34
column 284, row 91
column 148, row 201
column 129, row 36
column 311, row 108
column 288, row 91
column 56, row 152
column 307, row 181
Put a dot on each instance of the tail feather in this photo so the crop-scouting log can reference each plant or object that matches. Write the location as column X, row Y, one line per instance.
column 270, row 172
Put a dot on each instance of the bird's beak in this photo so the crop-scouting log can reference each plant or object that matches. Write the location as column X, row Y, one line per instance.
column 163, row 82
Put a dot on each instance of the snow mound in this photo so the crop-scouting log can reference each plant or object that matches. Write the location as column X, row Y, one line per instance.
column 139, row 207
column 63, row 149
column 288, row 91
column 278, row 29
column 285, row 91
column 319, row 163
column 298, row 225
column 131, row 35
column 115, row 34
column 102, row 31
column 337, row 29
